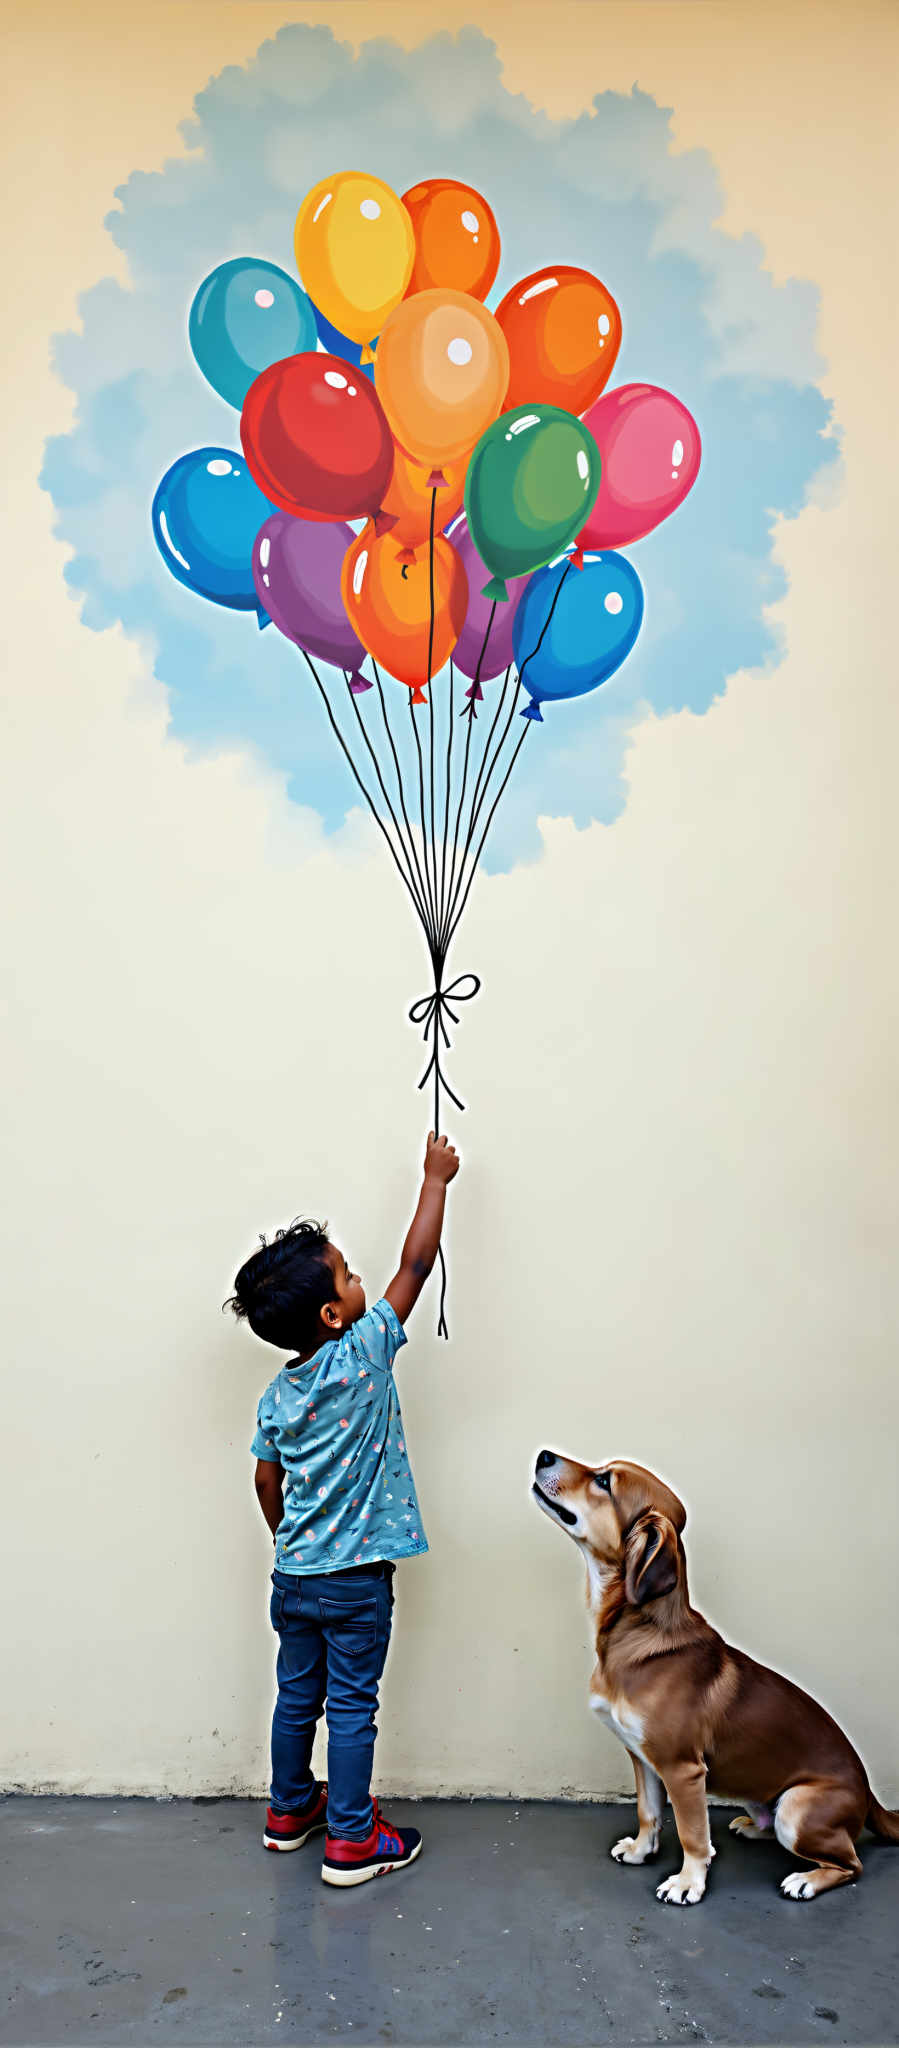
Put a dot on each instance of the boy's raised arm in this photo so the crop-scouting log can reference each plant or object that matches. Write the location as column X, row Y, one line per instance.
column 423, row 1236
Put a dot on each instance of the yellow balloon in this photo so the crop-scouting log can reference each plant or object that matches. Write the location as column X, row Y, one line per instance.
column 355, row 249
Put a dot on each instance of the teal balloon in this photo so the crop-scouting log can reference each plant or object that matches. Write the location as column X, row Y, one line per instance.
column 247, row 315
column 531, row 482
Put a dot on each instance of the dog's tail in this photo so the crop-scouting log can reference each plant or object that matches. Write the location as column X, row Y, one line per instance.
column 881, row 1822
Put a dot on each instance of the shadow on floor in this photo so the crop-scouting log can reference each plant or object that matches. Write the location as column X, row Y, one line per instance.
column 135, row 1921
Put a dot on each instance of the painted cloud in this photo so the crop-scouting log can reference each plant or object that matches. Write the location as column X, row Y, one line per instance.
column 701, row 315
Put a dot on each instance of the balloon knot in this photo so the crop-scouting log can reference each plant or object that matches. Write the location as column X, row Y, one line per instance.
column 533, row 710
column 405, row 557
column 384, row 522
column 436, row 1012
column 359, row 683
column 578, row 556
column 418, row 695
column 367, row 353
column 436, row 480
column 496, row 589
column 476, row 691
column 263, row 618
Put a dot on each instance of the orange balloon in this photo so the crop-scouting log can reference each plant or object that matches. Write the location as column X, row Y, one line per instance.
column 456, row 238
column 564, row 332
column 408, row 500
column 388, row 603
column 441, row 371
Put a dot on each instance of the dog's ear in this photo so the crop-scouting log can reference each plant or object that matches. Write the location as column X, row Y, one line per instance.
column 650, row 1560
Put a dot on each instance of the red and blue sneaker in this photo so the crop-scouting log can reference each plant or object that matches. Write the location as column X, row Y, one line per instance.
column 291, row 1830
column 385, row 1849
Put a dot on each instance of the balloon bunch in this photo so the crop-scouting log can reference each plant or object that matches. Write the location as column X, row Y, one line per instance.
column 421, row 483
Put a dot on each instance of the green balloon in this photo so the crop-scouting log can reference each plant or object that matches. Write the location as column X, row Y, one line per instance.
column 531, row 483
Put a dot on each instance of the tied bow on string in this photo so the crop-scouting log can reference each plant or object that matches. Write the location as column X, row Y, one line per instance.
column 432, row 1011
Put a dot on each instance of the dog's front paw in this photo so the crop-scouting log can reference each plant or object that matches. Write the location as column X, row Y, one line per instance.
column 798, row 1885
column 634, row 1849
column 685, row 1888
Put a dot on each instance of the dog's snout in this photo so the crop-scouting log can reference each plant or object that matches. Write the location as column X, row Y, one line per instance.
column 545, row 1458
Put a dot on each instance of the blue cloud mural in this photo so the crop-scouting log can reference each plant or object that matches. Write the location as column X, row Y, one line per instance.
column 701, row 316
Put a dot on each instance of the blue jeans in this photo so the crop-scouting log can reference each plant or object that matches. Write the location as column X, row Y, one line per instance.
column 334, row 1628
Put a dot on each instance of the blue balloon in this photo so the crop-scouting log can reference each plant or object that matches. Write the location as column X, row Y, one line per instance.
column 574, row 627
column 338, row 344
column 206, row 514
column 246, row 315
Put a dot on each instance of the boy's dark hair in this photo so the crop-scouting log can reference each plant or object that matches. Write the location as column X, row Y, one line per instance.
column 281, row 1289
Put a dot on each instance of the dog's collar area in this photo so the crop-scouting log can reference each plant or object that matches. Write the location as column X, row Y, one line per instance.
column 555, row 1506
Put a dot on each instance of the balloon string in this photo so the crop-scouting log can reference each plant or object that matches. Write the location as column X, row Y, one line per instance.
column 431, row 619
column 417, row 898
column 469, row 861
column 472, row 713
column 476, row 678
column 448, row 779
column 439, row 996
column 460, row 807
column 437, row 999
column 450, row 924
column 435, row 1015
column 480, row 787
column 548, row 619
column 432, row 1012
column 430, row 933
column 358, row 778
column 436, row 1010
column 489, row 740
column 474, row 866
column 422, row 809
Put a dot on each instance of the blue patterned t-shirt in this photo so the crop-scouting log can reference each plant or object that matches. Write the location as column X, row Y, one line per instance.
column 335, row 1426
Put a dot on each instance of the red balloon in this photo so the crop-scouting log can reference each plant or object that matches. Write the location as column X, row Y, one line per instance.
column 316, row 438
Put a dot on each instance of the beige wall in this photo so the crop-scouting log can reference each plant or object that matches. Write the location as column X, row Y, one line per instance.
column 675, row 1233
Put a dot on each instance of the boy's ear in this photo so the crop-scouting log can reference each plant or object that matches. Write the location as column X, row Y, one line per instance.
column 650, row 1560
column 332, row 1315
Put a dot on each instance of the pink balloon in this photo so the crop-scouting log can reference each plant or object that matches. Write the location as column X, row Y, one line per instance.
column 650, row 449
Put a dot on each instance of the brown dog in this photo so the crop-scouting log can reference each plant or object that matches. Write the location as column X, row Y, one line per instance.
column 695, row 1715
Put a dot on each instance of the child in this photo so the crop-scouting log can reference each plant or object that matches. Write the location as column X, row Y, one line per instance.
column 330, row 1425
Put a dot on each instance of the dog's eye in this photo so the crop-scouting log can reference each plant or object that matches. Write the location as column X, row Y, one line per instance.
column 603, row 1480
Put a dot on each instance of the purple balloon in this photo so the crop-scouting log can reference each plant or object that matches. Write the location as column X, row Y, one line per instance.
column 469, row 649
column 296, row 570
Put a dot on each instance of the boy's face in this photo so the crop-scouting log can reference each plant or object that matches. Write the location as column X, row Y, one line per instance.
column 348, row 1303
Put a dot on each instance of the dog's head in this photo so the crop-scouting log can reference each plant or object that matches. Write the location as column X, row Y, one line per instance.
column 623, row 1518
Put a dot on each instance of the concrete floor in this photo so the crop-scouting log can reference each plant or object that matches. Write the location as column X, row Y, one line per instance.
column 135, row 1921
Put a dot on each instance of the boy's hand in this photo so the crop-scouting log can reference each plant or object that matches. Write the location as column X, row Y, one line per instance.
column 441, row 1160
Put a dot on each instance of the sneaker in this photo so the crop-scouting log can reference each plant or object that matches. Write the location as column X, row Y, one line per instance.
column 291, row 1830
column 385, row 1849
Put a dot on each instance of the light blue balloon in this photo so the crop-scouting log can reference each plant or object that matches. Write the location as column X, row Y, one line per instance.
column 246, row 315
column 575, row 627
column 206, row 514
